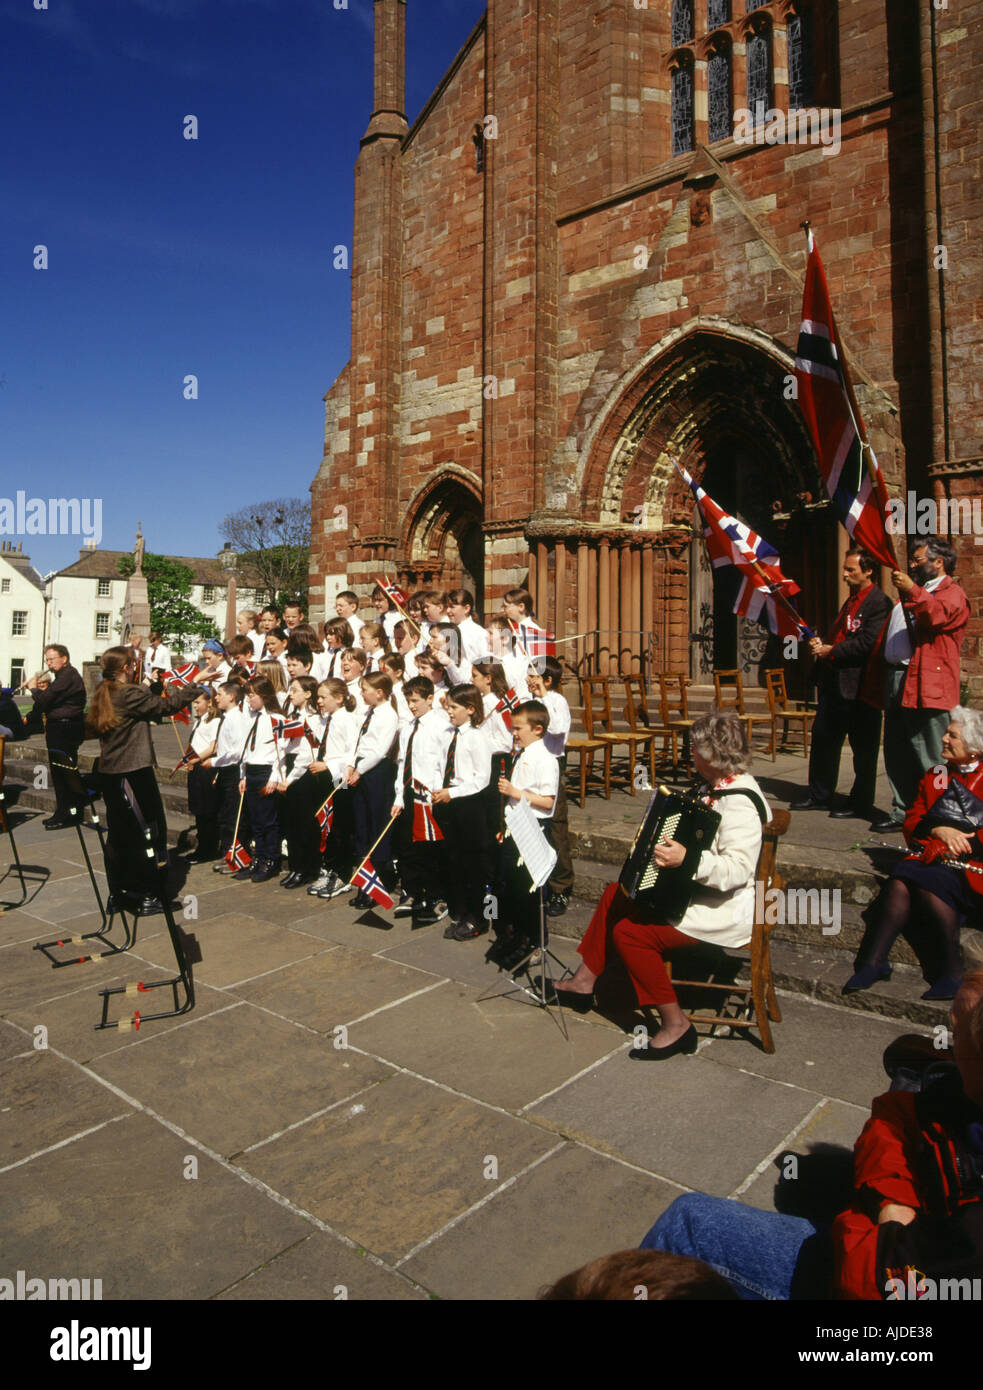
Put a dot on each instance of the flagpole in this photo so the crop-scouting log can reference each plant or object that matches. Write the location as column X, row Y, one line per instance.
column 180, row 745
column 385, row 832
column 235, row 833
column 866, row 450
column 326, row 803
column 399, row 609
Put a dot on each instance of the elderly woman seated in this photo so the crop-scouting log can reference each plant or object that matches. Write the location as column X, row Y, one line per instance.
column 721, row 909
column 931, row 893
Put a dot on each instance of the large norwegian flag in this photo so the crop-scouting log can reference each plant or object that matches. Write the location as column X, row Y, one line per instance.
column 825, row 396
column 181, row 675
column 369, row 881
column 765, row 593
column 425, row 827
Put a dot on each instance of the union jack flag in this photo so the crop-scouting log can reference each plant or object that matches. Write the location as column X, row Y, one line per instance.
column 731, row 542
column 507, row 706
column 238, row 857
column 369, row 881
column 393, row 592
column 425, row 828
column 324, row 817
column 858, row 494
column 182, row 675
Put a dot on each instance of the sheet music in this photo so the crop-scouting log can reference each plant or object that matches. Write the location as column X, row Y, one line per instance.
column 535, row 851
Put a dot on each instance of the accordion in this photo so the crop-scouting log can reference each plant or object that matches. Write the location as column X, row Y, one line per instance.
column 666, row 892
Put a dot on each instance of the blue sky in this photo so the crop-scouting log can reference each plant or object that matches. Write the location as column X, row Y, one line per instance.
column 169, row 257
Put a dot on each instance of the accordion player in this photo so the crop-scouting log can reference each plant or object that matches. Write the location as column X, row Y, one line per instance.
column 665, row 891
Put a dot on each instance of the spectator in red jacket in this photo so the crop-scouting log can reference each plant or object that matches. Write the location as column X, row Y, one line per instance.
column 931, row 893
column 918, row 1198
column 920, row 651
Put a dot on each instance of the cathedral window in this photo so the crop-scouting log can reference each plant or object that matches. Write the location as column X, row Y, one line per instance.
column 719, row 122
column 758, row 77
column 682, row 22
column 682, row 109
column 718, row 13
column 801, row 66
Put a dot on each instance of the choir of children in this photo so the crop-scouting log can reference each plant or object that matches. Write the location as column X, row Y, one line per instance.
column 395, row 757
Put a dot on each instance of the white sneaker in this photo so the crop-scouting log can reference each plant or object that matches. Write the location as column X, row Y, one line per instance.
column 321, row 882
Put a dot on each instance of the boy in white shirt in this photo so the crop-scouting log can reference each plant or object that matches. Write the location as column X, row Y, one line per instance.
column 346, row 606
column 419, row 767
column 545, row 686
column 535, row 777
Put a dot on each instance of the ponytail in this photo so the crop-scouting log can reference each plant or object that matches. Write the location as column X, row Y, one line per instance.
column 103, row 714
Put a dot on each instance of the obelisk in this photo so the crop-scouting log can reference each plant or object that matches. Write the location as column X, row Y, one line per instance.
column 136, row 603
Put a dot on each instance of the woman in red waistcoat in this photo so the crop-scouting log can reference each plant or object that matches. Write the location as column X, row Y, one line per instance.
column 931, row 893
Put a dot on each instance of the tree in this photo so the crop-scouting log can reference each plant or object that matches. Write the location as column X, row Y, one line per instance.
column 272, row 545
column 172, row 613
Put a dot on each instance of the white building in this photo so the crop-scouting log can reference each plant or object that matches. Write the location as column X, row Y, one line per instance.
column 22, row 607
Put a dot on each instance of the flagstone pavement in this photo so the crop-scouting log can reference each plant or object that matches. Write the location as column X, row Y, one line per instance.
column 342, row 1114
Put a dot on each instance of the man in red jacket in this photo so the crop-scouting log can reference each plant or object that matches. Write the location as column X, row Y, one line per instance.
column 921, row 648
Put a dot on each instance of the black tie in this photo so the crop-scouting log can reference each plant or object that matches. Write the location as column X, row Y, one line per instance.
column 449, row 766
column 408, row 765
column 324, row 737
column 365, row 725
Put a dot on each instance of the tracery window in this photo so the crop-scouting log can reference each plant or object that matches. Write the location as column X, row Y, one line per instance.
column 801, row 60
column 682, row 109
column 682, row 22
column 718, row 12
column 719, row 121
column 758, row 76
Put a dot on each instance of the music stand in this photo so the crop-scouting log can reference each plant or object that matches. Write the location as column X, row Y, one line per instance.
column 538, row 858
column 83, row 796
column 22, row 871
column 185, row 946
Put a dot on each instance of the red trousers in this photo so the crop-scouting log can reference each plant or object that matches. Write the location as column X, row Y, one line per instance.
column 640, row 944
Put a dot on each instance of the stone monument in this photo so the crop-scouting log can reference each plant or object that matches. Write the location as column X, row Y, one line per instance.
column 136, row 603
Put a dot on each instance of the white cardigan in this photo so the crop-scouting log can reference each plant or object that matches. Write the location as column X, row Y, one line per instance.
column 721, row 909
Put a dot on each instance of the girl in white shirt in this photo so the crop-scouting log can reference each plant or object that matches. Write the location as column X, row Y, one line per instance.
column 375, row 645
column 202, row 795
column 246, row 627
column 393, row 667
column 535, row 778
column 352, row 670
column 333, row 754
column 460, row 811
column 297, row 759
column 389, row 614
column 370, row 776
column 261, row 775
column 234, row 726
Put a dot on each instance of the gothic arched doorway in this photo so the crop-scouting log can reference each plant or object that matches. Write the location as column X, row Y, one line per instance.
column 443, row 544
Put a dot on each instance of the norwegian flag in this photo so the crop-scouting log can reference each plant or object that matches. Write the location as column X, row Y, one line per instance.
column 238, row 857
column 425, row 828
column 324, row 817
column 731, row 542
column 369, row 881
column 187, row 758
column 393, row 592
column 182, row 675
column 291, row 728
column 825, row 398
column 507, row 706
column 181, row 717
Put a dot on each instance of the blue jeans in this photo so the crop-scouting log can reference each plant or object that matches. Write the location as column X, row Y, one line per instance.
column 763, row 1254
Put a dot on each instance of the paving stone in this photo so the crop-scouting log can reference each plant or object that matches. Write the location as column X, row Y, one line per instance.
column 826, row 1145
column 823, row 1049
column 572, row 1208
column 334, row 987
column 397, row 1165
column 45, row 1101
column 117, row 1205
column 335, row 921
column 323, row 1267
column 13, row 1041
column 236, row 947
column 63, row 899
column 29, row 979
column 462, row 960
column 507, row 1052
column 686, row 1119
column 236, row 1077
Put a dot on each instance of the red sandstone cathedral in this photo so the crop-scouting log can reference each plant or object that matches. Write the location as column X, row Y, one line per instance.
column 585, row 257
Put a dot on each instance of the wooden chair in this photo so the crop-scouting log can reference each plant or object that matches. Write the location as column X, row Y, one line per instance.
column 756, row 999
column 639, row 721
column 675, row 707
column 599, row 723
column 587, row 746
column 786, row 710
column 729, row 691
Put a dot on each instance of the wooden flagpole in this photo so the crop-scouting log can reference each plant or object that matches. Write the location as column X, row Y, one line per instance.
column 385, row 832
column 402, row 612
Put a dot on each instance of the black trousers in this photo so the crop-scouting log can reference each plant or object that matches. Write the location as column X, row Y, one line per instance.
column 838, row 719
column 203, row 802
column 417, row 860
column 129, row 867
column 301, row 803
column 64, row 737
column 371, row 805
column 263, row 813
column 227, row 809
column 465, row 859
column 519, row 907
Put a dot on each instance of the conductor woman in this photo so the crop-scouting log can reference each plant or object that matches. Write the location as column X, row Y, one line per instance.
column 120, row 717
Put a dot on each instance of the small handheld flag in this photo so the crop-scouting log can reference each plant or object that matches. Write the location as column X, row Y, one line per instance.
column 507, row 706
column 324, row 817
column 425, row 828
column 238, row 857
column 369, row 882
column 394, row 593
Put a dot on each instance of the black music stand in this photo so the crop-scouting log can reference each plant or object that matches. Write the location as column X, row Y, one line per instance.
column 23, row 871
column 187, row 952
column 83, row 796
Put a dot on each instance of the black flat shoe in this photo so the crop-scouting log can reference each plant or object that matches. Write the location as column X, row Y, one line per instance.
column 57, row 823
column 865, row 977
column 300, row 880
column 808, row 803
column 885, row 824
column 687, row 1044
column 844, row 814
column 290, row 880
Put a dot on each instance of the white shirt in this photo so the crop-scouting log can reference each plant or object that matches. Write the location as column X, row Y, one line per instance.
column 389, row 621
column 203, row 734
column 474, row 640
column 374, row 664
column 355, row 690
column 158, row 658
column 355, row 623
column 338, row 732
column 258, row 640
column 472, row 762
column 331, row 661
column 409, row 665
column 374, row 739
column 536, row 771
column 262, row 749
column 427, row 755
column 217, row 677
column 897, row 641
column 296, row 753
column 236, row 726
column 321, row 666
column 494, row 728
column 555, row 737
column 402, row 708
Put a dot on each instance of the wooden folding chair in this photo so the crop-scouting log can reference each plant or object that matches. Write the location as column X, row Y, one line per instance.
column 755, row 1000
column 599, row 723
column 586, row 746
column 729, row 690
column 786, row 710
column 640, row 721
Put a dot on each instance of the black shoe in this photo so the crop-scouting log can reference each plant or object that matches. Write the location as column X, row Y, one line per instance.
column 558, row 904
column 886, row 824
column 264, row 870
column 290, row 880
column 361, row 901
column 687, row 1044
column 58, row 823
column 300, row 880
column 148, row 906
column 197, row 858
column 404, row 907
column 808, row 803
column 467, row 929
column 947, row 987
column 866, row 976
column 426, row 913
column 450, row 930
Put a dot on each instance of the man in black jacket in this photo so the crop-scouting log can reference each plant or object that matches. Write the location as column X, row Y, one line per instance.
column 841, row 713
column 62, row 702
